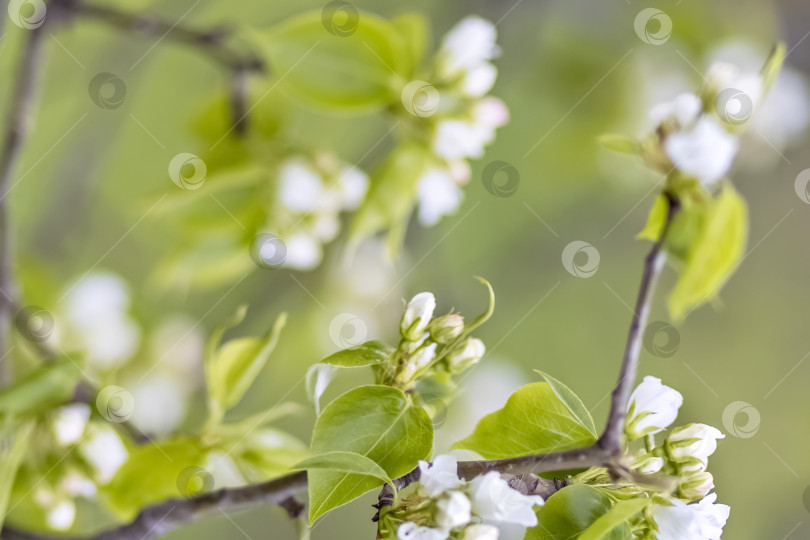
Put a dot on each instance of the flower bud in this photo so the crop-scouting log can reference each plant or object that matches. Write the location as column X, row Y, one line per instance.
column 453, row 510
column 649, row 465
column 653, row 407
column 446, row 329
column 697, row 485
column 692, row 445
column 417, row 316
column 472, row 352
column 418, row 360
column 481, row 532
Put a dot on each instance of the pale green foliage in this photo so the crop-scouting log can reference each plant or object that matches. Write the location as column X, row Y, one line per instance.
column 613, row 521
column 45, row 387
column 573, row 510
column 345, row 462
column 377, row 422
column 533, row 421
column 11, row 456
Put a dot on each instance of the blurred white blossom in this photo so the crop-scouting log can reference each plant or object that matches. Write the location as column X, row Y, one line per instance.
column 104, row 451
column 467, row 45
column 493, row 499
column 439, row 476
column 69, row 423
column 698, row 521
column 452, row 510
column 160, row 403
column 481, row 531
column 411, row 531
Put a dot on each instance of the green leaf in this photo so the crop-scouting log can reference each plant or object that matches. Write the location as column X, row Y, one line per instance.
column 45, row 387
column 570, row 511
column 377, row 422
column 714, row 253
column 620, row 143
column 572, row 401
column 345, row 462
column 617, row 516
column 356, row 71
column 413, row 29
column 155, row 472
column 263, row 454
column 533, row 421
column 370, row 353
column 231, row 369
column 10, row 460
column 392, row 194
column 656, row 220
column 773, row 65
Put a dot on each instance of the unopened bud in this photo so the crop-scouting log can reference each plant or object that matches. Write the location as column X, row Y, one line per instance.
column 472, row 352
column 417, row 315
column 446, row 329
column 697, row 485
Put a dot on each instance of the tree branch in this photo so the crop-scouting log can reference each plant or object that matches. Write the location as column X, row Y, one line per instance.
column 16, row 130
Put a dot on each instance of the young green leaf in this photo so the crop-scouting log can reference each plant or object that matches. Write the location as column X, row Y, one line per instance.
column 377, row 422
column 616, row 517
column 714, row 253
column 413, row 29
column 354, row 68
column 572, row 401
column 10, row 458
column 570, row 511
column 773, row 65
column 533, row 421
column 47, row 386
column 620, row 143
column 236, row 364
column 656, row 220
column 369, row 353
column 345, row 462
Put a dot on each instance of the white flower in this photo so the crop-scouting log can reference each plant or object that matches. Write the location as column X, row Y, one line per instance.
column 417, row 315
column 453, row 510
column 490, row 112
column 304, row 251
column 300, row 186
column 683, row 111
column 160, row 404
column 455, row 139
column 411, row 531
column 439, row 476
column 479, row 80
column 650, row 465
column 653, row 407
column 481, row 532
column 472, row 352
column 701, row 521
column 785, row 115
column 69, row 423
column 697, row 485
column 439, row 195
column 62, row 515
column 353, row 187
column 468, row 44
column 105, row 452
column 423, row 356
column 704, row 151
column 724, row 76
column 76, row 484
column 494, row 500
column 692, row 445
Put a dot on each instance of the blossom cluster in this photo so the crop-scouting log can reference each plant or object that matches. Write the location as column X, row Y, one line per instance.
column 461, row 118
column 697, row 135
column 310, row 195
column 429, row 344
column 691, row 512
column 445, row 506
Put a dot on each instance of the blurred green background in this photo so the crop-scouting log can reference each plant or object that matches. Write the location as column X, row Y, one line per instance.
column 569, row 71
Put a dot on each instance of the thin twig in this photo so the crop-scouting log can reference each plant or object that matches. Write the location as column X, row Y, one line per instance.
column 17, row 120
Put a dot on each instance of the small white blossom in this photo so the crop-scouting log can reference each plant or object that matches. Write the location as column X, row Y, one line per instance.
column 423, row 356
column 411, row 531
column 493, row 499
column 69, row 423
column 456, row 139
column 481, row 532
column 62, row 515
column 452, row 510
column 653, row 407
column 104, row 450
column 439, row 476
column 697, row 485
column 490, row 112
column 471, row 354
column 353, row 186
column 439, row 195
column 300, row 186
column 700, row 521
column 692, row 445
column 683, row 111
column 77, row 485
column 304, row 251
column 704, row 151
column 479, row 80
column 417, row 316
column 468, row 44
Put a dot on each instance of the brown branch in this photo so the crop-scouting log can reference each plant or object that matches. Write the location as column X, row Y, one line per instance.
column 17, row 121
column 161, row 518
